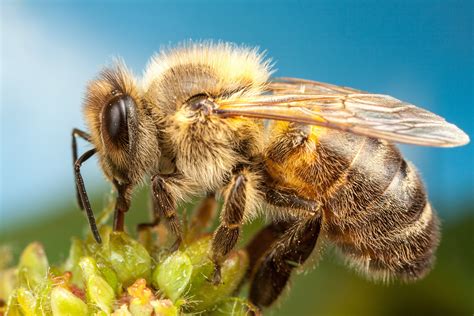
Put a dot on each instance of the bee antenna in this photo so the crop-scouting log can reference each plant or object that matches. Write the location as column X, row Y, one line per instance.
column 81, row 189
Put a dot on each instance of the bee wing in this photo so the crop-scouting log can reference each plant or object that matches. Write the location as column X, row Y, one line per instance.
column 374, row 115
column 286, row 85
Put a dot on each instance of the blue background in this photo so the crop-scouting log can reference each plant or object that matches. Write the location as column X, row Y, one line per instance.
column 417, row 51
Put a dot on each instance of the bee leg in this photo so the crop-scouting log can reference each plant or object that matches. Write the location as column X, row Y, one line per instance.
column 263, row 240
column 282, row 198
column 78, row 133
column 166, row 205
column 122, row 204
column 290, row 251
column 149, row 225
column 228, row 232
column 145, row 231
column 81, row 190
column 204, row 215
column 260, row 244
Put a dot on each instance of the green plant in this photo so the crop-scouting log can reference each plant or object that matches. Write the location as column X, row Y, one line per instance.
column 123, row 276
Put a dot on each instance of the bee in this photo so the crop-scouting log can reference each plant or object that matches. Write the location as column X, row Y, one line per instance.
column 313, row 157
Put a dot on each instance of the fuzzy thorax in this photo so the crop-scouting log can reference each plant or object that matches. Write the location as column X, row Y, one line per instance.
column 230, row 65
column 205, row 148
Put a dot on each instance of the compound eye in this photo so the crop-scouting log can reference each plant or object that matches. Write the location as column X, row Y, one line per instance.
column 114, row 120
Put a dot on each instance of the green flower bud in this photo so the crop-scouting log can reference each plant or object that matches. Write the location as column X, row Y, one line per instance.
column 164, row 308
column 92, row 280
column 88, row 267
column 33, row 266
column 128, row 258
column 172, row 276
column 234, row 306
column 65, row 303
column 27, row 301
column 98, row 291
column 111, row 277
column 203, row 268
column 92, row 247
column 72, row 263
column 207, row 294
column 13, row 307
column 43, row 294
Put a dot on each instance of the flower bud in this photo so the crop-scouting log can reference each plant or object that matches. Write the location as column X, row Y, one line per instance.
column 164, row 308
column 232, row 272
column 72, row 263
column 98, row 291
column 203, row 268
column 234, row 306
column 128, row 258
column 33, row 266
column 172, row 276
column 27, row 301
column 63, row 302
column 13, row 307
column 110, row 276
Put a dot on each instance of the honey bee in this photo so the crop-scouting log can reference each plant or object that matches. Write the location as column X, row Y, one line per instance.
column 314, row 157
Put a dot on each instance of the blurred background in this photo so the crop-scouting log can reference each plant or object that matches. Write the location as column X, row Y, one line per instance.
column 417, row 51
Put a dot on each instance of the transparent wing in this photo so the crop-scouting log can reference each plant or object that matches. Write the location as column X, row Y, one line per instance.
column 347, row 109
column 302, row 86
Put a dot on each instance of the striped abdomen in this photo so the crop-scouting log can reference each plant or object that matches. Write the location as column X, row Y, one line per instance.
column 374, row 205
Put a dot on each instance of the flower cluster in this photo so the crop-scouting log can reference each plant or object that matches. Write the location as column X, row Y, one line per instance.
column 124, row 276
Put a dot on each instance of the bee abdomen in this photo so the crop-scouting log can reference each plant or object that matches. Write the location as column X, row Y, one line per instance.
column 407, row 254
column 380, row 217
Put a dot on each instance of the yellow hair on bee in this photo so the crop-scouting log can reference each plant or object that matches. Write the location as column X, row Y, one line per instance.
column 234, row 65
column 111, row 81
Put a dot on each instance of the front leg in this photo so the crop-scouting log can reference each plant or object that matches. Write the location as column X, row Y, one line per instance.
column 165, row 204
column 227, row 234
column 122, row 204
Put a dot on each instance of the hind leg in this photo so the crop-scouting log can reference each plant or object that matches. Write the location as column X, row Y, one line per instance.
column 262, row 241
column 289, row 251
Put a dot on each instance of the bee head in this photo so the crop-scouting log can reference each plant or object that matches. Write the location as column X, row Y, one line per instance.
column 121, row 131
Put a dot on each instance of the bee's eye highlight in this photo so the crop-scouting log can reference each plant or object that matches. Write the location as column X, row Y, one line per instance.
column 114, row 120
